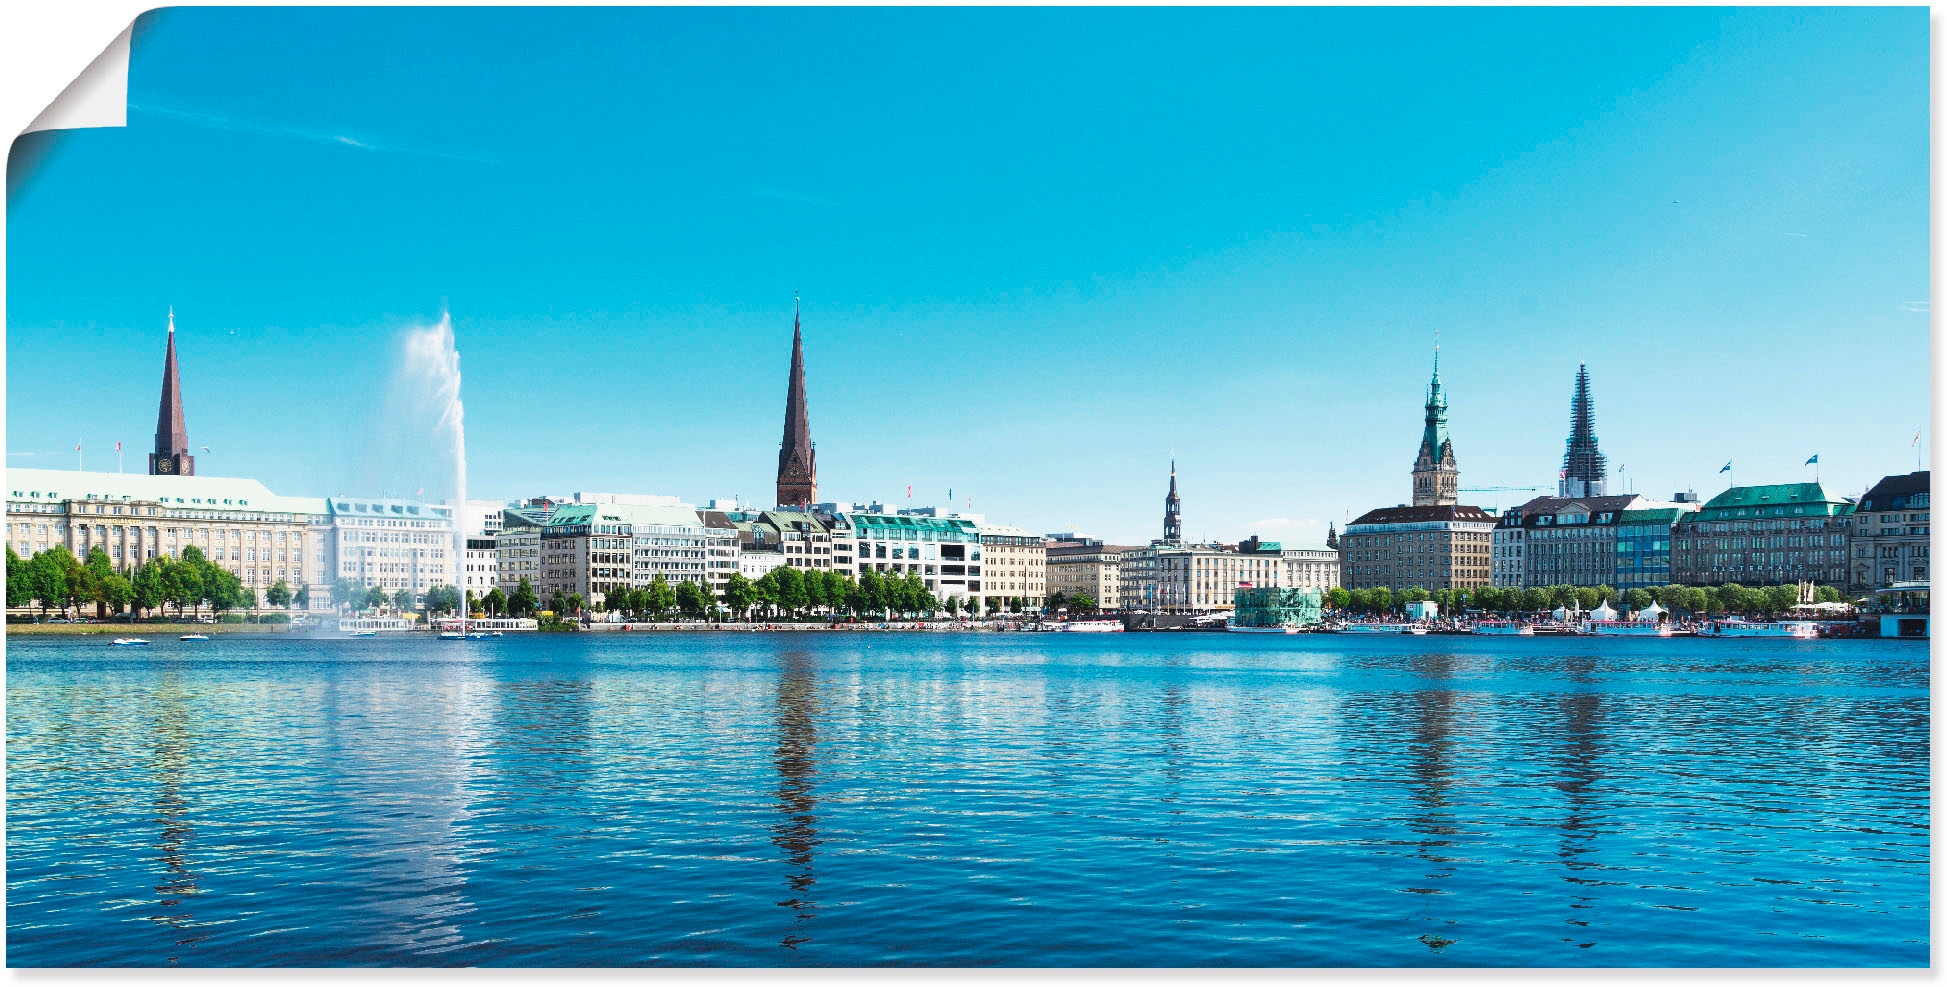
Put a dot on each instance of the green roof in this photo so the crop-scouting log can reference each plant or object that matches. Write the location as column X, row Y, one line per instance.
column 916, row 524
column 634, row 515
column 1652, row 515
column 1773, row 500
column 204, row 492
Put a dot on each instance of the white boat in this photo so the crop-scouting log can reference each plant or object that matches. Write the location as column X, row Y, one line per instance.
column 126, row 641
column 452, row 635
column 362, row 634
column 1412, row 629
column 1370, row 628
column 1093, row 626
column 1626, row 628
column 194, row 637
column 1237, row 629
column 1733, row 627
column 1503, row 627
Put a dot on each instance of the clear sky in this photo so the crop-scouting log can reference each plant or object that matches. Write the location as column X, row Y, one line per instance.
column 1040, row 250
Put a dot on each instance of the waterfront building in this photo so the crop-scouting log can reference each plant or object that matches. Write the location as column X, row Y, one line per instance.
column 1311, row 566
column 480, row 561
column 1764, row 535
column 945, row 551
column 1507, row 557
column 755, row 562
column 1585, row 473
column 1080, row 566
column 797, row 458
column 804, row 539
column 1139, row 574
column 589, row 549
column 844, row 540
column 394, row 544
column 1172, row 511
column 1436, row 477
column 237, row 523
column 1014, row 564
column 171, row 456
column 1890, row 533
column 1199, row 577
column 1570, row 540
column 724, row 546
column 517, row 546
column 1444, row 546
column 1643, row 539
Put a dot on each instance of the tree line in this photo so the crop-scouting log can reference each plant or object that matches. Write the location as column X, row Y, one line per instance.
column 1729, row 598
column 56, row 578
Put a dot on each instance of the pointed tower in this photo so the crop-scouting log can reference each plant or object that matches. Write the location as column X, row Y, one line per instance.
column 171, row 455
column 1332, row 534
column 797, row 460
column 1436, row 480
column 1585, row 473
column 1172, row 511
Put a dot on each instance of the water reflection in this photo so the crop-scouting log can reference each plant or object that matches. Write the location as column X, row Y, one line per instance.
column 1581, row 713
column 796, row 833
column 1431, row 764
column 171, row 765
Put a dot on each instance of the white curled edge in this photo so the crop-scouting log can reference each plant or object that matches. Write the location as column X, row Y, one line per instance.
column 98, row 97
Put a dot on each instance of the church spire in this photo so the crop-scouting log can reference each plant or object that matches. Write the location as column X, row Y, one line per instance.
column 797, row 460
column 171, row 454
column 1436, row 479
column 1585, row 471
column 1172, row 510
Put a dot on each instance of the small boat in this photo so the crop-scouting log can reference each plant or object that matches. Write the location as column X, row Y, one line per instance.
column 126, row 641
column 452, row 635
column 1369, row 629
column 1240, row 629
column 194, row 637
column 1734, row 627
column 1626, row 628
column 1503, row 627
column 1412, row 629
column 481, row 635
column 362, row 634
column 1093, row 626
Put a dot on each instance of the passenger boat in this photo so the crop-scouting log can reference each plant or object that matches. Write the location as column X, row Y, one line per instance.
column 452, row 635
column 1093, row 626
column 362, row 634
column 194, row 637
column 1626, row 628
column 1732, row 627
column 1503, row 627
column 126, row 641
column 1371, row 629
column 1239, row 629
column 1412, row 629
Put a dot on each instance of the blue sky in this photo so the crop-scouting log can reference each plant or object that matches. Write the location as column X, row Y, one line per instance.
column 1039, row 250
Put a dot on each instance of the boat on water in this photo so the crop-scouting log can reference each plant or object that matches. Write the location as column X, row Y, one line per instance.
column 1239, row 629
column 1412, row 629
column 126, row 641
column 194, row 637
column 362, row 634
column 1093, row 626
column 1733, row 627
column 1369, row 628
column 1503, row 627
column 1626, row 628
column 452, row 635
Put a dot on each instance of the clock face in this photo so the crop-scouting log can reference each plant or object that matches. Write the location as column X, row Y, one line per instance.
column 165, row 466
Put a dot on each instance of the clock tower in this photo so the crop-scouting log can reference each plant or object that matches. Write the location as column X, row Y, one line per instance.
column 171, row 456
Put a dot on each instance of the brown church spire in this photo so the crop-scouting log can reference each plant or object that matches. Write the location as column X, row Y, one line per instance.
column 797, row 460
column 171, row 454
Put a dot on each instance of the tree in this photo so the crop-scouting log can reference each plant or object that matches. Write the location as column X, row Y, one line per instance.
column 693, row 600
column 147, row 586
column 471, row 604
column 442, row 599
column 278, row 595
column 1587, row 597
column 375, row 598
column 302, row 598
column 659, row 599
column 576, row 603
column 405, row 600
column 1780, row 599
column 766, row 590
column 523, row 603
column 558, row 602
column 94, row 571
column 1638, row 599
column 1082, row 603
column 791, row 593
column 1338, row 598
column 1382, row 599
column 739, row 594
column 1057, row 600
column 56, row 577
column 1413, row 594
column 620, row 599
column 1828, row 594
column 495, row 602
column 19, row 593
column 116, row 591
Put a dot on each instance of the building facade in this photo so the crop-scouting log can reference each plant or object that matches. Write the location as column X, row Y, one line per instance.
column 1084, row 567
column 517, row 547
column 945, row 551
column 1890, row 533
column 1014, row 565
column 1311, row 567
column 1570, row 540
column 1436, row 477
column 1643, row 540
column 1507, row 556
column 1430, row 546
column 590, row 549
column 394, row 544
column 236, row 523
column 797, row 459
column 1764, row 535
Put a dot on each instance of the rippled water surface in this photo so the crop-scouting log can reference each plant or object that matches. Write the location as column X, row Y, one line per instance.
column 1140, row 799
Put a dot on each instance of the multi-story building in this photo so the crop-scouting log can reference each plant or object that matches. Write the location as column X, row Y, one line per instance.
column 802, row 537
column 589, row 549
column 1077, row 566
column 1433, row 547
column 755, row 562
column 1643, row 538
column 1015, row 565
column 1140, row 577
column 517, row 546
column 480, row 569
column 1311, row 567
column 394, row 544
column 1507, row 559
column 237, row 523
column 1764, row 535
column 1206, row 577
column 1570, row 540
column 945, row 551
column 724, row 548
column 1890, row 533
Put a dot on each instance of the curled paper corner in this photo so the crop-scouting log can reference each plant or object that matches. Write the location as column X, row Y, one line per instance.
column 98, row 97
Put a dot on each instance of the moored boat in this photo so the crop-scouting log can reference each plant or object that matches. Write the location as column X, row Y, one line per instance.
column 1239, row 629
column 1503, row 627
column 1733, row 627
column 1093, row 626
column 127, row 641
column 1371, row 628
column 1626, row 628
column 194, row 637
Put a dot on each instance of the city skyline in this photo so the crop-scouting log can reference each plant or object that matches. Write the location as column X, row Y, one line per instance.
column 1049, row 383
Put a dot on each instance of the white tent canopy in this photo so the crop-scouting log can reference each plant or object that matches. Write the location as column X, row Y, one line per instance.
column 1651, row 613
column 1603, row 611
column 1561, row 614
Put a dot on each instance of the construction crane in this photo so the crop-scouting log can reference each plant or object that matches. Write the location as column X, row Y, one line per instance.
column 1488, row 489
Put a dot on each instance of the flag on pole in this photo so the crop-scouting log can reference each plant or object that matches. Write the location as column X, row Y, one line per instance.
column 1727, row 467
column 118, row 447
column 1916, row 438
column 909, row 491
column 1814, row 459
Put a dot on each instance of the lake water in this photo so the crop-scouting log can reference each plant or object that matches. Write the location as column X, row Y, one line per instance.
column 967, row 799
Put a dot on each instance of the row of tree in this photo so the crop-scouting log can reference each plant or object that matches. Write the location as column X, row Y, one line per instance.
column 57, row 579
column 1728, row 598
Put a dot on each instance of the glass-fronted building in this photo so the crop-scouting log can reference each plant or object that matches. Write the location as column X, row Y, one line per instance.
column 1643, row 546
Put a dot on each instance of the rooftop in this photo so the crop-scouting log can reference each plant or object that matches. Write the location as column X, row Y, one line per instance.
column 1891, row 493
column 53, row 486
column 1431, row 512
